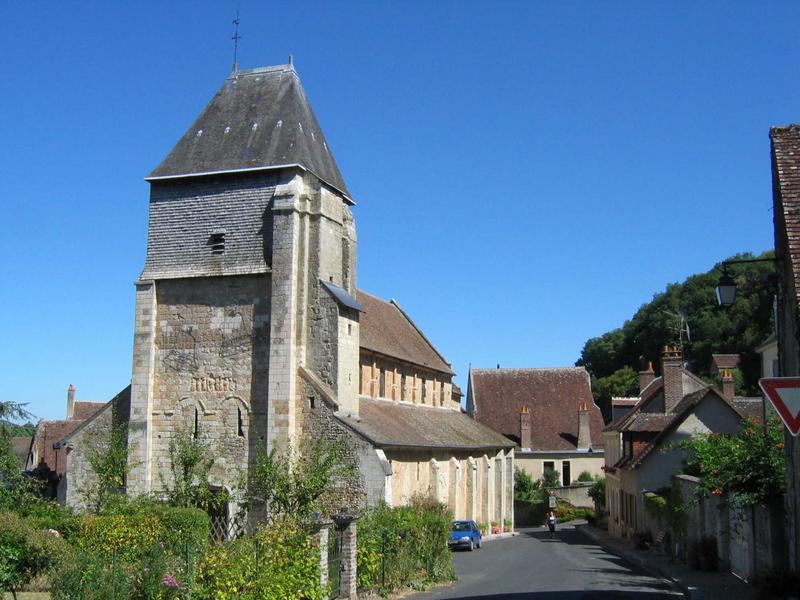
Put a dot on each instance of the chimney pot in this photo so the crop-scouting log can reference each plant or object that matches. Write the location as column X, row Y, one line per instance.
column 728, row 385
column 70, row 401
column 646, row 377
column 584, row 431
column 671, row 367
column 525, row 427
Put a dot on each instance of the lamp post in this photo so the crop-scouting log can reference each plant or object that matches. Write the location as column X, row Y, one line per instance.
column 726, row 295
column 726, row 287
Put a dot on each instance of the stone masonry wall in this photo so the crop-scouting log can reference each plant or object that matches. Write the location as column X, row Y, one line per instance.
column 210, row 375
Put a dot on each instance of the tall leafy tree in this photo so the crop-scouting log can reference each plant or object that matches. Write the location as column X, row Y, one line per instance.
column 711, row 329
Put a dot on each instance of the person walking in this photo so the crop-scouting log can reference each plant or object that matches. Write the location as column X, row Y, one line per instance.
column 551, row 523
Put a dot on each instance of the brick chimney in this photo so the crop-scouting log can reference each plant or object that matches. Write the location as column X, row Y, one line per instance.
column 671, row 366
column 646, row 376
column 584, row 433
column 70, row 400
column 525, row 428
column 728, row 385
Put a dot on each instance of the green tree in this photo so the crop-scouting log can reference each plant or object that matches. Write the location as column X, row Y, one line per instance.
column 622, row 382
column 749, row 466
column 109, row 461
column 314, row 480
column 190, row 464
column 737, row 329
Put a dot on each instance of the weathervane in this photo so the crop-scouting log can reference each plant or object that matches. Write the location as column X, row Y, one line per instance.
column 236, row 37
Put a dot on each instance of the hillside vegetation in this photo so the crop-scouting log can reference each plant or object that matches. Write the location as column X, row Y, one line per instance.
column 614, row 358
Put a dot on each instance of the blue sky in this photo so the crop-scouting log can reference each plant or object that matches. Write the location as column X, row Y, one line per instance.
column 527, row 174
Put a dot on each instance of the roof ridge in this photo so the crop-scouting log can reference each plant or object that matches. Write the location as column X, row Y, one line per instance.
column 530, row 369
column 419, row 331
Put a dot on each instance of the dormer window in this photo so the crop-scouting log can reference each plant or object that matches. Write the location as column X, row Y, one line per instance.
column 217, row 242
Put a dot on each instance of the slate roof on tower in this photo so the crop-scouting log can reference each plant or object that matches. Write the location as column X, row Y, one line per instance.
column 259, row 119
column 554, row 397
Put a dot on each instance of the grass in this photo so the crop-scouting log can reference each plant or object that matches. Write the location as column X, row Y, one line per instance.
column 28, row 596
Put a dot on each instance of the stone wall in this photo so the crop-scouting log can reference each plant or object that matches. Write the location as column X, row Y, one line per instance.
column 210, row 371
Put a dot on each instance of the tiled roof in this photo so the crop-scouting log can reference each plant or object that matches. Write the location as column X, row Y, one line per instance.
column 624, row 401
column 725, row 361
column 83, row 410
column 21, row 446
column 786, row 189
column 47, row 434
column 649, row 422
column 750, row 407
column 553, row 396
column 384, row 328
column 674, row 419
column 259, row 118
column 389, row 424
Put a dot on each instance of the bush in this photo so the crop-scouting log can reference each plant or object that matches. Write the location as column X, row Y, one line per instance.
column 567, row 512
column 585, row 477
column 404, row 546
column 141, row 526
column 598, row 492
column 26, row 552
column 281, row 561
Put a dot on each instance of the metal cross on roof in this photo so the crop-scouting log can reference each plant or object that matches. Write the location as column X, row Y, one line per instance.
column 236, row 37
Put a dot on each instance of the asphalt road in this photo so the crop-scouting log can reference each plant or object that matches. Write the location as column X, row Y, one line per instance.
column 534, row 566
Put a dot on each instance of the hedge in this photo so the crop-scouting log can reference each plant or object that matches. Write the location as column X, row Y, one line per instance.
column 404, row 546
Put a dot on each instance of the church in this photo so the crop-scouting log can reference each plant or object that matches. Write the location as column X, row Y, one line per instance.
column 250, row 331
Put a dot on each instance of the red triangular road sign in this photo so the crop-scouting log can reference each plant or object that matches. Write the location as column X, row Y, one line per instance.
column 784, row 393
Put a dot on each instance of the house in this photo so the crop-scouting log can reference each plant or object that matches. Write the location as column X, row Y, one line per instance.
column 720, row 362
column 548, row 413
column 250, row 332
column 45, row 455
column 639, row 452
column 785, row 150
column 768, row 350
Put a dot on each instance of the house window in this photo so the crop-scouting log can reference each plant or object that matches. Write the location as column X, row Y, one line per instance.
column 424, row 391
column 382, row 384
column 566, row 476
column 548, row 467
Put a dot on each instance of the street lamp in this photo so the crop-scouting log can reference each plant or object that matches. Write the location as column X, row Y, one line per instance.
column 726, row 288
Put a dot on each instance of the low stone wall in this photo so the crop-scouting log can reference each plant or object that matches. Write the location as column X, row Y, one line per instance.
column 576, row 494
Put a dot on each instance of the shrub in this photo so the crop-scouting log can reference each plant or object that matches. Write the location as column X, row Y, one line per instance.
column 567, row 512
column 26, row 552
column 139, row 527
column 598, row 492
column 281, row 561
column 404, row 546
column 585, row 476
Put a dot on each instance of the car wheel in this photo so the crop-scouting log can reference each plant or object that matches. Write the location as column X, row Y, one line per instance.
column 479, row 545
column 471, row 546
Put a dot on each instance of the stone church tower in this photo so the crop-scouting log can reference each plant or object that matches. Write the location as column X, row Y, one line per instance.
column 249, row 281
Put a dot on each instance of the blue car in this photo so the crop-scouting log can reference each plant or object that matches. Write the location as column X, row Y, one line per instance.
column 465, row 534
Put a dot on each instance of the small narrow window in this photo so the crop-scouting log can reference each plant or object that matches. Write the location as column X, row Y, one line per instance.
column 217, row 242
column 312, row 402
column 239, row 426
column 196, row 424
column 349, row 329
